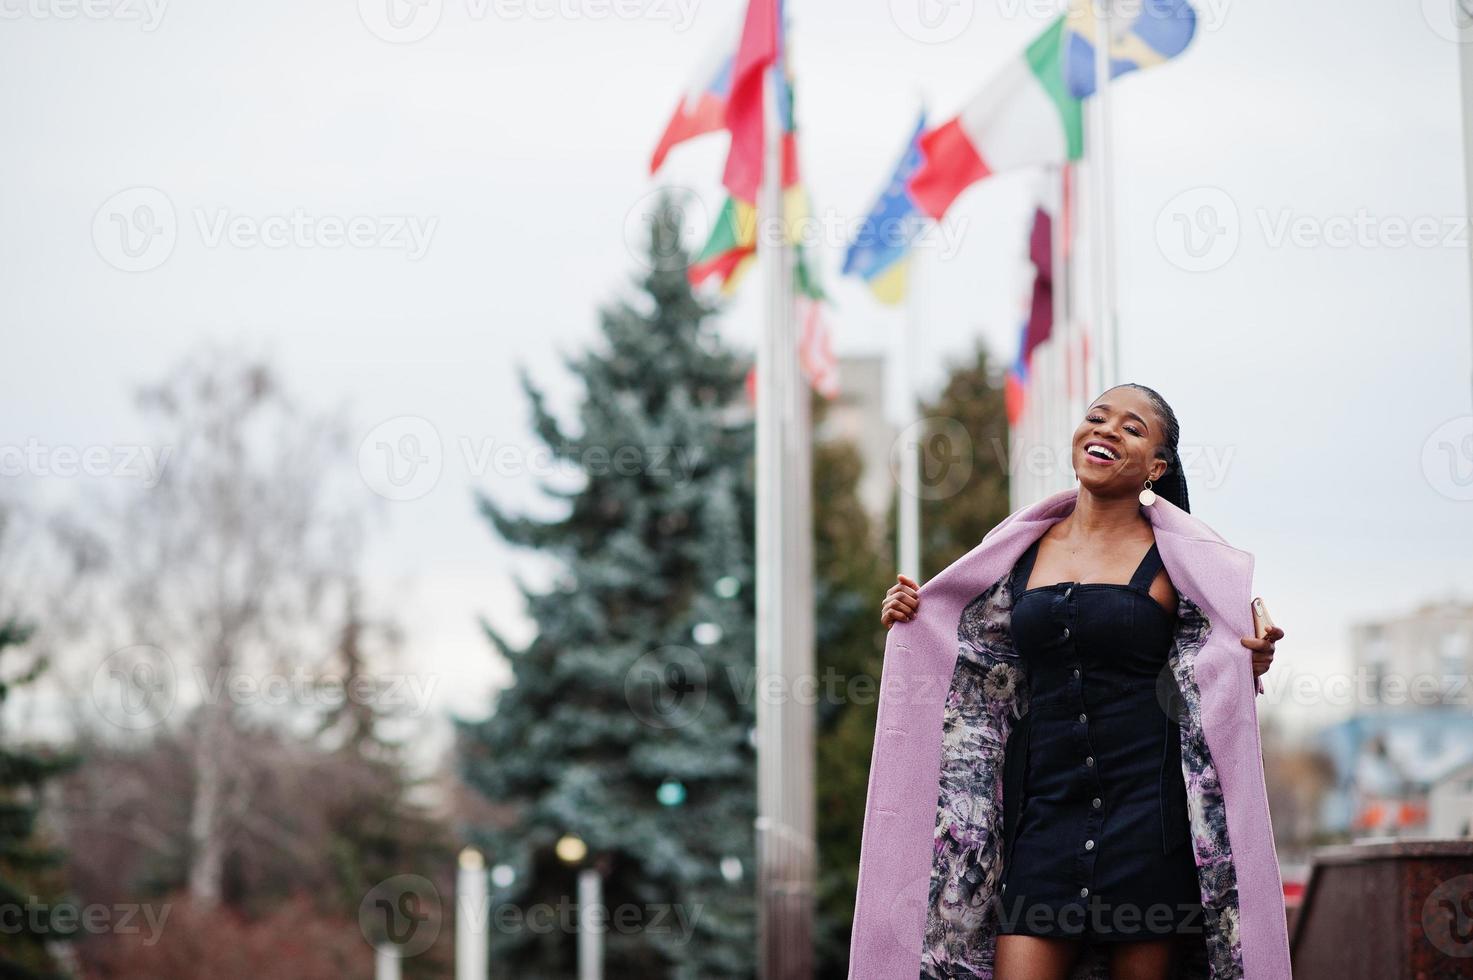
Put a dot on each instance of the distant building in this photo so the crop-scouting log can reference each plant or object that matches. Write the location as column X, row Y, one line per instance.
column 858, row 414
column 1412, row 729
column 1450, row 804
column 1417, row 661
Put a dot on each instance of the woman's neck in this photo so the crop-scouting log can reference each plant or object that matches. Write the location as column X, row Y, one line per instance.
column 1094, row 515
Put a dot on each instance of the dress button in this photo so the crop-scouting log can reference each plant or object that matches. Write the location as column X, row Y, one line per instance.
column 1084, row 893
column 1066, row 632
column 1067, row 591
column 1089, row 845
column 1083, row 717
column 1095, row 802
column 1089, row 760
column 1076, row 671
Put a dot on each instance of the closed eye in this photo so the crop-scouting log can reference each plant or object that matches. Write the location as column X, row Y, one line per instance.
column 1128, row 428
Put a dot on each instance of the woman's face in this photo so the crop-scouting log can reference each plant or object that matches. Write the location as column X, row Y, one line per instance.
column 1123, row 422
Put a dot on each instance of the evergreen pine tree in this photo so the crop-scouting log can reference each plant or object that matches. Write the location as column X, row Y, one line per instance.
column 628, row 724
column 28, row 868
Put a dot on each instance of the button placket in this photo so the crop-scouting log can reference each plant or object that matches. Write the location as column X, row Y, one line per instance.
column 1085, row 853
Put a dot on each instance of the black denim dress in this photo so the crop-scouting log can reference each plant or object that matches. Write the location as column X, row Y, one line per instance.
column 1096, row 835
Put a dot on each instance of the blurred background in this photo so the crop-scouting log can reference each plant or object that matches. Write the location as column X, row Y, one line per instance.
column 379, row 481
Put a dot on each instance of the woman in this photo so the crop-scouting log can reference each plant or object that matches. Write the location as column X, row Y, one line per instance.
column 1096, row 824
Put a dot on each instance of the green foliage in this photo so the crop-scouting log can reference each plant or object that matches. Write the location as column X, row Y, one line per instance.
column 29, row 868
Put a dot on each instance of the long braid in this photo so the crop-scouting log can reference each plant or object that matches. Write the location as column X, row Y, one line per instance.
column 1173, row 483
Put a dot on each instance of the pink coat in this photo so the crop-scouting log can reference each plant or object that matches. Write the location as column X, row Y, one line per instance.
column 916, row 914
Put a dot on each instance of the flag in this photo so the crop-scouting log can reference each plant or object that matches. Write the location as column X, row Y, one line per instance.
column 729, row 249
column 816, row 349
column 880, row 253
column 702, row 109
column 1159, row 29
column 1024, row 115
column 1015, row 382
column 759, row 49
column 1041, row 251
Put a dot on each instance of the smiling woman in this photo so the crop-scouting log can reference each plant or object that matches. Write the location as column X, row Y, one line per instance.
column 1099, row 806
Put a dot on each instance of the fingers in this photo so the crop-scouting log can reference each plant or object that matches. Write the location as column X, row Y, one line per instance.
column 900, row 609
column 1263, row 650
column 893, row 609
column 900, row 602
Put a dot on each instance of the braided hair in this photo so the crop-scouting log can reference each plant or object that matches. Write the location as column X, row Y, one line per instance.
column 1173, row 483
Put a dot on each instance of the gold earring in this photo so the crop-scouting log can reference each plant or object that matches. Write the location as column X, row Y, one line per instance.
column 1148, row 496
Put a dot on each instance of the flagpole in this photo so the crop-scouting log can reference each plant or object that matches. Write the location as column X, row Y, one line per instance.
column 908, row 537
column 1062, row 330
column 1463, row 20
column 784, row 584
column 1102, row 164
column 908, row 543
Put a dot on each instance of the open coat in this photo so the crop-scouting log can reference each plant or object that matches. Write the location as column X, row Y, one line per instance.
column 951, row 689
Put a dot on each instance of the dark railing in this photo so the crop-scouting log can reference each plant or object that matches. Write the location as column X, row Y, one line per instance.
column 1387, row 910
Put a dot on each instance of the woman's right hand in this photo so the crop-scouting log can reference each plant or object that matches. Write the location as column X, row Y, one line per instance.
column 901, row 602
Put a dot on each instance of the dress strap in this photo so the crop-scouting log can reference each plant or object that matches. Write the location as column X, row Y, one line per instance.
column 1145, row 572
column 1024, row 567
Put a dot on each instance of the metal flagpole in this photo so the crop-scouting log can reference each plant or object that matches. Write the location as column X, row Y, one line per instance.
column 1064, row 320
column 1102, row 179
column 785, row 763
column 1463, row 20
column 1061, row 330
column 910, row 442
column 908, row 544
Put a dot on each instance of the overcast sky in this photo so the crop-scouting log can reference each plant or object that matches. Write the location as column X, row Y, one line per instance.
column 499, row 162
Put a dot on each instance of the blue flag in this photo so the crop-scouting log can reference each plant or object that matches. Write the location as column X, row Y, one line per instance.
column 880, row 252
column 1158, row 31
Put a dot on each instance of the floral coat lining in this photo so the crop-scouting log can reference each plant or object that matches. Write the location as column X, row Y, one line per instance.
column 988, row 694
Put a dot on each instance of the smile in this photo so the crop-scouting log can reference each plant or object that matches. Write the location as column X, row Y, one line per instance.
column 1101, row 453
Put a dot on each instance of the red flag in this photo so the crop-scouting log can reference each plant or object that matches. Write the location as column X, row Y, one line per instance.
column 816, row 350
column 744, row 118
column 1041, row 251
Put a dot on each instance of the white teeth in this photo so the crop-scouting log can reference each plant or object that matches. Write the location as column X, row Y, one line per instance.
column 1100, row 450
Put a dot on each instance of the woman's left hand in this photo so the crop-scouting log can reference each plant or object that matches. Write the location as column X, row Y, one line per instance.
column 1263, row 649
